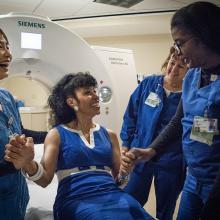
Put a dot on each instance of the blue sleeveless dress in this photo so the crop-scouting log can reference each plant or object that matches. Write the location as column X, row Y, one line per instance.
column 90, row 194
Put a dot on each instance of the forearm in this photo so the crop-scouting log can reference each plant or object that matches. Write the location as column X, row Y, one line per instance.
column 171, row 132
column 31, row 169
column 38, row 136
column 6, row 168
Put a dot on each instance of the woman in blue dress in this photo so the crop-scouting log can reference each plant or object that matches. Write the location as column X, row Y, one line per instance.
column 84, row 155
column 196, row 32
column 150, row 108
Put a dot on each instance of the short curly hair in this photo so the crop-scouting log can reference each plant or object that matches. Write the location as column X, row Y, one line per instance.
column 65, row 88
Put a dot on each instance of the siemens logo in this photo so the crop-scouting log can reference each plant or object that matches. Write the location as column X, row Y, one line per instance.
column 31, row 24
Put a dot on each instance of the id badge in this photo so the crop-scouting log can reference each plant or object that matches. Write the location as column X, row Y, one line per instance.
column 204, row 129
column 152, row 100
column 213, row 77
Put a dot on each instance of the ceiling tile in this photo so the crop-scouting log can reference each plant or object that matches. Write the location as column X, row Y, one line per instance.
column 61, row 8
column 18, row 6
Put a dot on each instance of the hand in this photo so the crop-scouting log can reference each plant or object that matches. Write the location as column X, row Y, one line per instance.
column 122, row 171
column 124, row 150
column 141, row 155
column 20, row 151
column 127, row 162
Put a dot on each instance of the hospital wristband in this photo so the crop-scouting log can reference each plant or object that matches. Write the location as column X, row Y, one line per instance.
column 37, row 175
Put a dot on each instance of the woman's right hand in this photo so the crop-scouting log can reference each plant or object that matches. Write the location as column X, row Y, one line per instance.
column 20, row 151
column 127, row 162
column 140, row 154
column 133, row 156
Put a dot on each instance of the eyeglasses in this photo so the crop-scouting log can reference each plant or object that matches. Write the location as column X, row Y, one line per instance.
column 178, row 46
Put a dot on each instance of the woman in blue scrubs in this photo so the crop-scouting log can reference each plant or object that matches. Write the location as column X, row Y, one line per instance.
column 13, row 188
column 196, row 32
column 150, row 108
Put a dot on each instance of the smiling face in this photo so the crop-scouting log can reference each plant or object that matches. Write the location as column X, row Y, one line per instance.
column 5, row 57
column 88, row 101
column 192, row 50
column 176, row 69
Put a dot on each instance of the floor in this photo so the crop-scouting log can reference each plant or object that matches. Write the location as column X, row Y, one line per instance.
column 150, row 206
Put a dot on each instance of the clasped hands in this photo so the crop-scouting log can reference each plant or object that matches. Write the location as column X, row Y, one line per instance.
column 129, row 157
column 19, row 151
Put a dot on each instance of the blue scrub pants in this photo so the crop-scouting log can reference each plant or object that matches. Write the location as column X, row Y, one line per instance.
column 13, row 197
column 193, row 198
column 167, row 182
column 10, row 208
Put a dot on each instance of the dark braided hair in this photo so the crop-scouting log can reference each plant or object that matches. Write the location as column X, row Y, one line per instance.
column 202, row 19
column 65, row 88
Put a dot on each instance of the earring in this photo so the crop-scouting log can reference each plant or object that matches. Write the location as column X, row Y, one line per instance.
column 76, row 108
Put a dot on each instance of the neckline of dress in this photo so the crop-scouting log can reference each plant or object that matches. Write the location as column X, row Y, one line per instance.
column 96, row 128
column 90, row 144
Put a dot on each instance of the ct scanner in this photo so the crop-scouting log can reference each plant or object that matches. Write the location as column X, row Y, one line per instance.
column 43, row 52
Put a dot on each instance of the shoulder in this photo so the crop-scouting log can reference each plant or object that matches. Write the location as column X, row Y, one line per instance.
column 53, row 135
column 6, row 93
column 191, row 76
column 149, row 83
column 112, row 134
column 58, row 128
column 113, row 138
column 103, row 130
column 151, row 79
column 191, row 73
column 4, row 90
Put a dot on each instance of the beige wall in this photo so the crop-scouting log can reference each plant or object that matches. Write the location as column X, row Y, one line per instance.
column 32, row 92
column 150, row 51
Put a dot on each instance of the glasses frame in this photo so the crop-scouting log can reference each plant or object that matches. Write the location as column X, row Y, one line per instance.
column 178, row 46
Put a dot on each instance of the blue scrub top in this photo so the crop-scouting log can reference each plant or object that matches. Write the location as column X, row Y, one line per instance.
column 203, row 160
column 142, row 122
column 13, row 188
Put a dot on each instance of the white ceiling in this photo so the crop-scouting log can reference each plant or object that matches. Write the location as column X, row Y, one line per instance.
column 90, row 19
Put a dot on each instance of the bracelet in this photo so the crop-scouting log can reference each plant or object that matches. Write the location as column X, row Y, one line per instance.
column 37, row 175
column 122, row 180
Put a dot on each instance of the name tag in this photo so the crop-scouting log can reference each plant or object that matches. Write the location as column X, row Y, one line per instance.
column 152, row 100
column 204, row 129
column 213, row 77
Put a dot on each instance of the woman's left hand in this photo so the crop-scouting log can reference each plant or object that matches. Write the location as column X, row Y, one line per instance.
column 127, row 163
column 19, row 151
